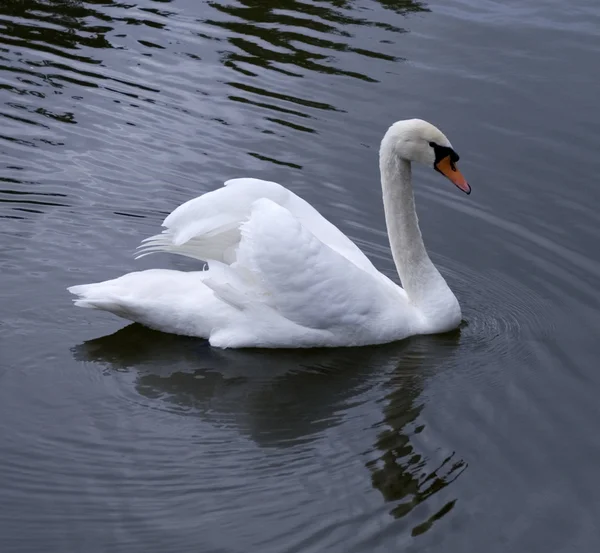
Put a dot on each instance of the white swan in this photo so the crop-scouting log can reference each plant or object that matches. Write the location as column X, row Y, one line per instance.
column 280, row 275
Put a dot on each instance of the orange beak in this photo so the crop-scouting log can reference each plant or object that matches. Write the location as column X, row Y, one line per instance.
column 449, row 170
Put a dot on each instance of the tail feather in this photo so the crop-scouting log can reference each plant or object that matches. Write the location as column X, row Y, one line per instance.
column 103, row 305
column 99, row 296
column 170, row 301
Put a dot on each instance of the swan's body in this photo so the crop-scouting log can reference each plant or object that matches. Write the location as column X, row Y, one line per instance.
column 280, row 275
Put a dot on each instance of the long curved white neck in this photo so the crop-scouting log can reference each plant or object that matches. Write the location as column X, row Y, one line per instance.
column 424, row 285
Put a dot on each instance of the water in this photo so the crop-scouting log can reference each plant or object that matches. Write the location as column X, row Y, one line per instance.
column 116, row 438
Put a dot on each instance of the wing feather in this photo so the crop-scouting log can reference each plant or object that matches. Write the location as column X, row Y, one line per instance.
column 208, row 227
column 307, row 282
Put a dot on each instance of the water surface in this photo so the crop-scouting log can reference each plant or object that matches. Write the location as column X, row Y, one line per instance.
column 118, row 438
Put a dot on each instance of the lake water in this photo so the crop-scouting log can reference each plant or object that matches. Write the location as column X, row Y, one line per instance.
column 117, row 438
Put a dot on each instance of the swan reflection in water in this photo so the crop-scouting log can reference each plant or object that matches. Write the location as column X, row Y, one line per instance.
column 281, row 398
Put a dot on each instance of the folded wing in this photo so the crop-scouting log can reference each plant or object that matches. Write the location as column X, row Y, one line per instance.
column 304, row 280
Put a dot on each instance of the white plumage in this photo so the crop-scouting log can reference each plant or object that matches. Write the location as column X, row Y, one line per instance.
column 276, row 274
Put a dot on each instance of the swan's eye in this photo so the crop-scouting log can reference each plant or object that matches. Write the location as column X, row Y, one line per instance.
column 444, row 151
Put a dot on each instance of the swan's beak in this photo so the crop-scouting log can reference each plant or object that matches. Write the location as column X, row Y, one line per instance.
column 449, row 170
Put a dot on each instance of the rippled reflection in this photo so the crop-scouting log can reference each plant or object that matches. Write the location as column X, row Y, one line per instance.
column 284, row 398
column 402, row 474
column 98, row 88
column 297, row 33
column 295, row 39
column 278, row 397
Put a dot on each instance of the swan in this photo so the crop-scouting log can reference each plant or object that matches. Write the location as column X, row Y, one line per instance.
column 277, row 274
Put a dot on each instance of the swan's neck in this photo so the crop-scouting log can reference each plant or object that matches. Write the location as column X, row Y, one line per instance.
column 424, row 285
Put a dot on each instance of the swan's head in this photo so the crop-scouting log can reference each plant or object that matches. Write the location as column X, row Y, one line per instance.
column 418, row 141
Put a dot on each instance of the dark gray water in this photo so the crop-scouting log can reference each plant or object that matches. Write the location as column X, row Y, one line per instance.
column 116, row 438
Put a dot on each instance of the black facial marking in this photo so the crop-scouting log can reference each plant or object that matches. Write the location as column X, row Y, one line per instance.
column 441, row 152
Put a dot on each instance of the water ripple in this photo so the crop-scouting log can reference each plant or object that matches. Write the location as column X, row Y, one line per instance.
column 114, row 113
